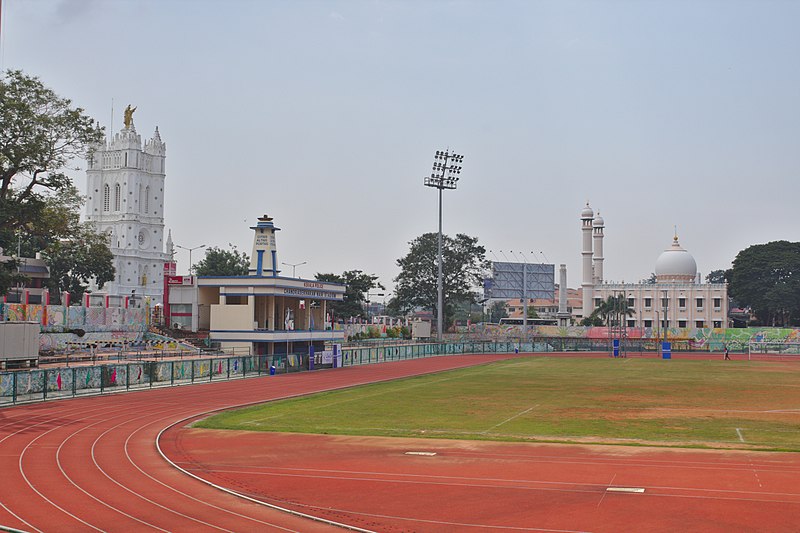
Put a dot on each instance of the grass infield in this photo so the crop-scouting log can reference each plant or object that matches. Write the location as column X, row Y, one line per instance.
column 715, row 404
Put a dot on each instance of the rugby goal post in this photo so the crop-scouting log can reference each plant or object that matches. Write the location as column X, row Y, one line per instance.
column 771, row 349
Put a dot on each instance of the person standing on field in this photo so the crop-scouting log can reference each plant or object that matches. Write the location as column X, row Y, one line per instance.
column 727, row 357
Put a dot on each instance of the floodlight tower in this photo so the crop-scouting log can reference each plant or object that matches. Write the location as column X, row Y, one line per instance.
column 445, row 175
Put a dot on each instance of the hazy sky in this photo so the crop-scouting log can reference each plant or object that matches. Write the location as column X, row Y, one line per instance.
column 326, row 116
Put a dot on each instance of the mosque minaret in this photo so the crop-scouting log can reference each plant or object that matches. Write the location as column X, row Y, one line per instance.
column 587, row 217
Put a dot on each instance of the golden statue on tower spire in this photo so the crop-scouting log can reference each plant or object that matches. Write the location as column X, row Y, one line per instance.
column 129, row 116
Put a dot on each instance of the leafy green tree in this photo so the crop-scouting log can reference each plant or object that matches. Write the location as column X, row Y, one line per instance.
column 766, row 278
column 532, row 312
column 40, row 134
column 76, row 260
column 463, row 267
column 651, row 280
column 592, row 320
column 716, row 276
column 496, row 311
column 219, row 262
column 614, row 309
column 359, row 285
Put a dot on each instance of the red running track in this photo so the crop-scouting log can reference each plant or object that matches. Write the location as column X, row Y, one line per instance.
column 92, row 463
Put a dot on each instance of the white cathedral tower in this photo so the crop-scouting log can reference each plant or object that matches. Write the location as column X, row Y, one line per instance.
column 125, row 200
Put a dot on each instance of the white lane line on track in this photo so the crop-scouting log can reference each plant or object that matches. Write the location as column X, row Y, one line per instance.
column 45, row 498
column 519, row 483
column 202, row 502
column 528, row 410
column 640, row 463
column 739, row 432
column 238, row 494
column 68, row 478
column 604, row 494
column 15, row 515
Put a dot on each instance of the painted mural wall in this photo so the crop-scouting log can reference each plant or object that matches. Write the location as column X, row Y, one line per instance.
column 60, row 324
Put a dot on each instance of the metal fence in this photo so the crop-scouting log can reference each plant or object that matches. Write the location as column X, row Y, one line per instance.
column 67, row 382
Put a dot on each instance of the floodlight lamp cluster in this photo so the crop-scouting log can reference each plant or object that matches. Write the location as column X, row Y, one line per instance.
column 446, row 170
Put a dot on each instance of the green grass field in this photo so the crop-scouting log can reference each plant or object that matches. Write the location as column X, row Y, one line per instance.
column 622, row 401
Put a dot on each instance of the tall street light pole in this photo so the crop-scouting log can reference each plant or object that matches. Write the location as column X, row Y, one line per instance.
column 445, row 175
column 190, row 253
column 294, row 266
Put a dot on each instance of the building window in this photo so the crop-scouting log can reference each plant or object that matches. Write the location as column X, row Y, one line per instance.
column 699, row 324
column 648, row 303
column 597, row 302
column 682, row 303
column 106, row 197
column 665, row 303
column 631, row 323
column 648, row 323
column 147, row 199
column 116, row 196
column 630, row 303
column 718, row 323
column 681, row 323
column 717, row 303
column 699, row 303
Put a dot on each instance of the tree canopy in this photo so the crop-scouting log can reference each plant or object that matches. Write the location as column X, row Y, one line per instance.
column 219, row 262
column 40, row 135
column 496, row 311
column 77, row 259
column 463, row 268
column 766, row 278
column 716, row 276
column 359, row 284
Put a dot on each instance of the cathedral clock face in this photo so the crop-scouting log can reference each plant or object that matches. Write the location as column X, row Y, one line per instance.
column 142, row 239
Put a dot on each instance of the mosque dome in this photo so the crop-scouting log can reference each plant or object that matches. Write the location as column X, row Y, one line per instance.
column 587, row 212
column 598, row 221
column 676, row 265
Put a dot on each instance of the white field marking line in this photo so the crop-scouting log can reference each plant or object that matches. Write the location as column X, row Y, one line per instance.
column 502, row 480
column 244, row 496
column 739, row 432
column 629, row 490
column 61, row 468
column 426, row 454
column 359, row 398
column 473, row 485
column 746, row 411
column 529, row 409
column 15, row 515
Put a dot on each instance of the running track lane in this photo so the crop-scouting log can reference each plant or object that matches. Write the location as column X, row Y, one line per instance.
column 91, row 464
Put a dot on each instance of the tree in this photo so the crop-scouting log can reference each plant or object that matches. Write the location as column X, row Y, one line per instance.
column 614, row 309
column 766, row 278
column 356, row 294
column 651, row 280
column 716, row 276
column 76, row 260
column 532, row 312
column 463, row 267
column 219, row 262
column 40, row 134
column 497, row 310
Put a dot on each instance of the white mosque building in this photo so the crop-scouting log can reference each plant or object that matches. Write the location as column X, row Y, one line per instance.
column 678, row 298
column 125, row 200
